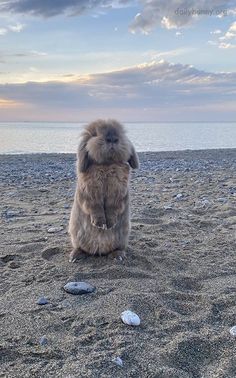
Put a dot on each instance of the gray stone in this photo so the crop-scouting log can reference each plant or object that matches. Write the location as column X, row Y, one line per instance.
column 42, row 301
column 78, row 288
column 43, row 341
column 118, row 361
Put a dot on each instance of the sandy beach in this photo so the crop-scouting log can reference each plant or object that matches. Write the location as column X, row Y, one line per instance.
column 179, row 275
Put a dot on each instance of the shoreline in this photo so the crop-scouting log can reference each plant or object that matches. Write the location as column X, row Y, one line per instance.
column 187, row 150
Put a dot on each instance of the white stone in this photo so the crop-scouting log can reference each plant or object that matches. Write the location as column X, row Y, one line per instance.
column 233, row 331
column 168, row 207
column 130, row 318
column 118, row 361
column 52, row 230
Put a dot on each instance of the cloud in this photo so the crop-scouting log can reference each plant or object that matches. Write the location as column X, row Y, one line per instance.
column 157, row 55
column 12, row 28
column 223, row 45
column 50, row 8
column 38, row 53
column 212, row 43
column 225, row 41
column 3, row 31
column 170, row 14
column 175, row 14
column 5, row 103
column 217, row 31
column 231, row 33
column 16, row 28
column 158, row 86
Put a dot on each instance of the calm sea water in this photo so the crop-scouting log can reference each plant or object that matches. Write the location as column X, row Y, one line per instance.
column 18, row 138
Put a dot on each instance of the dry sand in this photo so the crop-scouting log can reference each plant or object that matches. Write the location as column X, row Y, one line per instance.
column 179, row 276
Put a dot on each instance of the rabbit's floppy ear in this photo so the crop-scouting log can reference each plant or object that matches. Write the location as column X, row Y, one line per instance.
column 133, row 160
column 84, row 160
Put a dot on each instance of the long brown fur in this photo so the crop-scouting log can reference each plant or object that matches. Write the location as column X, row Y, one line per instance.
column 100, row 218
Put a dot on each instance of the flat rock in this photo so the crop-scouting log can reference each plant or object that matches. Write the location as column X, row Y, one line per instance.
column 42, row 301
column 53, row 230
column 78, row 288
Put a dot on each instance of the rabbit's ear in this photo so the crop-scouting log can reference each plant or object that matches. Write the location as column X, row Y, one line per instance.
column 83, row 158
column 133, row 160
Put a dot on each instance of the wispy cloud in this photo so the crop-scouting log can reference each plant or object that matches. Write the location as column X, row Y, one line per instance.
column 12, row 28
column 3, row 31
column 157, row 85
column 16, row 28
column 223, row 45
column 156, row 55
column 231, row 33
column 217, row 31
column 226, row 41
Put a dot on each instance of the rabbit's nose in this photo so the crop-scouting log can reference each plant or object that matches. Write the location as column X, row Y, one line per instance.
column 111, row 139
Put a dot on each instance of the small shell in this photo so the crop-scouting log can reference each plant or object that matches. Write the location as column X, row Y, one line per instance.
column 118, row 361
column 130, row 318
column 233, row 331
column 78, row 288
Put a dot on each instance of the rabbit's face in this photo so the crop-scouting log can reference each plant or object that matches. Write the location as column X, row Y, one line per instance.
column 108, row 143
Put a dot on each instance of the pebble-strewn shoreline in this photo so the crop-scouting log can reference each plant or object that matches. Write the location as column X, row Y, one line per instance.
column 46, row 168
column 179, row 275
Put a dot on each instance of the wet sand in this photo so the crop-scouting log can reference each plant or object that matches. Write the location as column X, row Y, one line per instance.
column 179, row 275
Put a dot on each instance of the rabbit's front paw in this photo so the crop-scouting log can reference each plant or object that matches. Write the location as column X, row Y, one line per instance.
column 99, row 222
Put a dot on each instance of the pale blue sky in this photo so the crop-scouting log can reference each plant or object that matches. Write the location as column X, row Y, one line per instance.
column 61, row 62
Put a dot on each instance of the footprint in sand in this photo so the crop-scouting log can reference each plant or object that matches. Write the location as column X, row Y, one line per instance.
column 9, row 261
column 192, row 354
column 7, row 258
column 185, row 283
column 51, row 253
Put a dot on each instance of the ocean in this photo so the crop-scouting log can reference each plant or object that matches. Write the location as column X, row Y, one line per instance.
column 35, row 137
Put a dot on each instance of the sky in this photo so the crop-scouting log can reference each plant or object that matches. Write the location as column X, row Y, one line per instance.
column 134, row 60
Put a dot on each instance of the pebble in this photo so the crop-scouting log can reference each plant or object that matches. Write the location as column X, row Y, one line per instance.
column 12, row 213
column 118, row 361
column 222, row 200
column 43, row 340
column 130, row 318
column 168, row 207
column 179, row 196
column 78, row 288
column 233, row 331
column 205, row 202
column 43, row 190
column 42, row 301
column 14, row 265
column 52, row 230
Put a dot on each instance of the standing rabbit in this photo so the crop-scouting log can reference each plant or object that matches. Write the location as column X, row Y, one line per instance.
column 100, row 218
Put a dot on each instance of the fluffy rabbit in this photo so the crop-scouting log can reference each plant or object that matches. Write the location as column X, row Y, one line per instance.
column 100, row 220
